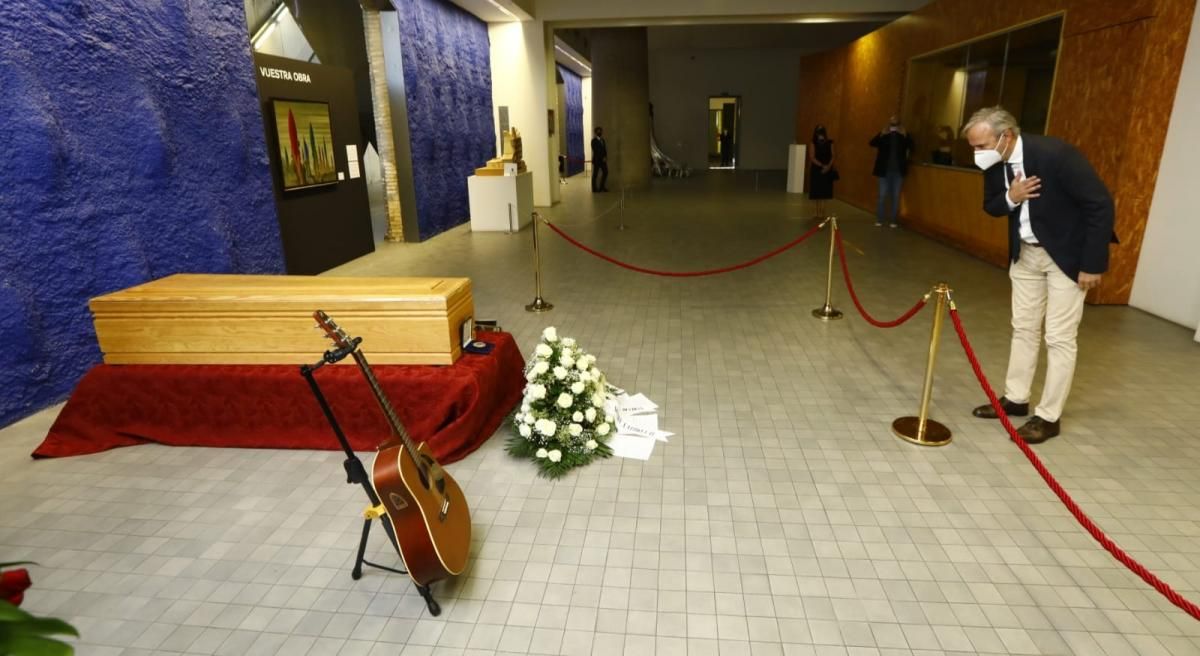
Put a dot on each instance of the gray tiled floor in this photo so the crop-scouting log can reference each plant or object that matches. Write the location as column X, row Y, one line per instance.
column 783, row 518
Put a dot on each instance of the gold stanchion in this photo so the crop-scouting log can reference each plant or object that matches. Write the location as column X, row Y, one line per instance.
column 921, row 429
column 827, row 312
column 538, row 304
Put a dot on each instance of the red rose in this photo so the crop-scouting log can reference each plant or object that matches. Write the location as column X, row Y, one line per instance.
column 13, row 585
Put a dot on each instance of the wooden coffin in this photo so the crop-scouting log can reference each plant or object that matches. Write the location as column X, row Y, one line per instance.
column 236, row 319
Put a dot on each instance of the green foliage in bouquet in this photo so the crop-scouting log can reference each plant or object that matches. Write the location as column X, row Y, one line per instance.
column 562, row 423
column 22, row 634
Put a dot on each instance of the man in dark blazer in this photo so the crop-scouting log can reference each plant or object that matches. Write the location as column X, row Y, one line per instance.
column 1060, row 223
column 893, row 148
column 599, row 162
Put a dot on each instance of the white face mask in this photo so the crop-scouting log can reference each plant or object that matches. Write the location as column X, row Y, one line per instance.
column 986, row 159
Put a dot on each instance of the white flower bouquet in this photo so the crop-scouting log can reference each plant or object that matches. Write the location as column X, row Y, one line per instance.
column 561, row 423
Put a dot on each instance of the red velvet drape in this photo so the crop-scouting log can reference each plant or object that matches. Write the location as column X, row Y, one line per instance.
column 453, row 408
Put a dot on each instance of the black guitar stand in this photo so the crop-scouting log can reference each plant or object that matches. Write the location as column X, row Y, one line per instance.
column 356, row 474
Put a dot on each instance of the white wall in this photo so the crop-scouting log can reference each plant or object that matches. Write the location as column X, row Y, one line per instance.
column 1167, row 282
column 682, row 80
column 518, row 53
column 587, row 118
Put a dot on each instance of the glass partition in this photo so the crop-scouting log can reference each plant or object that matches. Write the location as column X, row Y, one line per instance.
column 1014, row 69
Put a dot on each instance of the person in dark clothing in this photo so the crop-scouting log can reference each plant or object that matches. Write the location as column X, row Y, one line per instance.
column 726, row 149
column 821, row 172
column 894, row 147
column 599, row 162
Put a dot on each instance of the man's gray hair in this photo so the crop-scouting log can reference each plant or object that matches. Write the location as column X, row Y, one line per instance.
column 996, row 117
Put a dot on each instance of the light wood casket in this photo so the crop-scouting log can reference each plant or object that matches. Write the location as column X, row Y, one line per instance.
column 237, row 319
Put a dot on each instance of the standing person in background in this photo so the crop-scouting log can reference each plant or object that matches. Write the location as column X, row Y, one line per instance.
column 1060, row 223
column 822, row 175
column 599, row 162
column 894, row 147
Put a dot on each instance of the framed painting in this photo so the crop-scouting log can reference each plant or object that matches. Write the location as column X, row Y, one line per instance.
column 306, row 149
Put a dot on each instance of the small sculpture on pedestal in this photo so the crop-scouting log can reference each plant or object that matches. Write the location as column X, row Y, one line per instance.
column 510, row 162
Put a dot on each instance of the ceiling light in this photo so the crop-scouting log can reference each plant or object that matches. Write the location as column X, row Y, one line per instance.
column 504, row 9
column 572, row 58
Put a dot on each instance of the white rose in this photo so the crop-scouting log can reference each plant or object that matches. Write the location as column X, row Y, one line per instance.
column 591, row 445
column 543, row 351
column 566, row 360
column 525, row 431
column 524, row 407
column 555, row 455
column 550, row 334
column 602, row 429
column 529, row 419
column 575, row 430
column 597, row 399
column 591, row 358
column 585, row 376
column 541, row 453
column 590, row 414
column 530, row 375
column 541, row 367
column 536, row 392
column 577, row 417
column 578, row 387
column 560, row 373
column 547, row 427
column 568, row 341
column 565, row 400
column 582, row 364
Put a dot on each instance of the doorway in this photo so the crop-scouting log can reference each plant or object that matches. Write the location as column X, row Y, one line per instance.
column 724, row 124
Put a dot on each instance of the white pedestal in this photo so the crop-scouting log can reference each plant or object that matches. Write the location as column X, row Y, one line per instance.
column 797, row 165
column 492, row 196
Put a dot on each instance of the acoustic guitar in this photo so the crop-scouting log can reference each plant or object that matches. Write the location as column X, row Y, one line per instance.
column 424, row 505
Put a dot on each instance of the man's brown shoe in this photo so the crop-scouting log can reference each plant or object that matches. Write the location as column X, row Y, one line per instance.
column 986, row 411
column 1038, row 430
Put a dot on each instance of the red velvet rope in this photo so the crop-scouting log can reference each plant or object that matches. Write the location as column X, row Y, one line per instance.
column 854, row 297
column 685, row 274
column 1087, row 523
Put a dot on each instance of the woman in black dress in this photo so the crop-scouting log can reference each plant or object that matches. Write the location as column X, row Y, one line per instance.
column 821, row 172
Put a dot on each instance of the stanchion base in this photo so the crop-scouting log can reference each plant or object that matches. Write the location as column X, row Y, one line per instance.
column 908, row 429
column 827, row 313
column 538, row 305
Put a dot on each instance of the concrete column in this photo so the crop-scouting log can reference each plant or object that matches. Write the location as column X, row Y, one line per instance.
column 383, row 123
column 621, row 103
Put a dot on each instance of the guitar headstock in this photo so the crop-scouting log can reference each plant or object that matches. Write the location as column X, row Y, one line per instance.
column 333, row 331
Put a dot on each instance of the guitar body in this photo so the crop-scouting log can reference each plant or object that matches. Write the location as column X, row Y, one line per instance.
column 427, row 510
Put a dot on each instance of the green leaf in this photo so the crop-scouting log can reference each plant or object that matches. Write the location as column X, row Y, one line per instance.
column 10, row 613
column 39, row 626
column 21, row 645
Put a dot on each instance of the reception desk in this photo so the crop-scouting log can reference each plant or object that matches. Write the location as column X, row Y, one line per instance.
column 946, row 203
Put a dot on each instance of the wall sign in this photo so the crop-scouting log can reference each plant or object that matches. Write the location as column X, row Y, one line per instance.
column 284, row 74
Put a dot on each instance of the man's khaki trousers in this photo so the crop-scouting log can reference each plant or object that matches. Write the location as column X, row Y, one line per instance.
column 1042, row 292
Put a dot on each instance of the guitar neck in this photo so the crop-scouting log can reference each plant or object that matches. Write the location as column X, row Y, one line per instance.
column 384, row 404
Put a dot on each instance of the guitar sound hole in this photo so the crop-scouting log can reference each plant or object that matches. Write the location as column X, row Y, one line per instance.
column 425, row 467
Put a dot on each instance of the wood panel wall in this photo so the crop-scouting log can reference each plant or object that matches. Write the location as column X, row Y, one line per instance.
column 1113, row 94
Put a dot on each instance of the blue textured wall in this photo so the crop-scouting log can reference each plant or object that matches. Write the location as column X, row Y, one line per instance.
column 132, row 149
column 448, row 87
column 573, row 85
